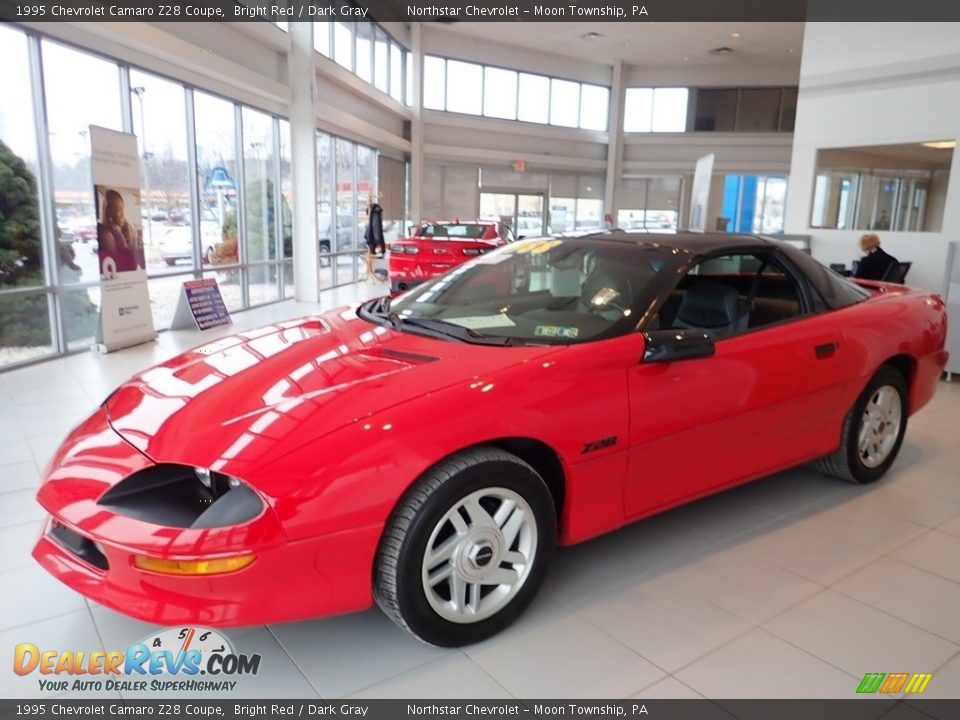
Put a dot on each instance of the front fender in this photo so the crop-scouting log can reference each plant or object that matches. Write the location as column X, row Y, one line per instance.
column 356, row 475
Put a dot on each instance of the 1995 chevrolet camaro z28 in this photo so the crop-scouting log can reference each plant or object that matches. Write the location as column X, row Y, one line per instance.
column 427, row 452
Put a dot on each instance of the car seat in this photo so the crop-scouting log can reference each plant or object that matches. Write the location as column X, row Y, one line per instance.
column 714, row 309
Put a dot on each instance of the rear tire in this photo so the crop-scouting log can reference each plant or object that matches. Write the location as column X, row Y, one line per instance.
column 872, row 431
column 466, row 549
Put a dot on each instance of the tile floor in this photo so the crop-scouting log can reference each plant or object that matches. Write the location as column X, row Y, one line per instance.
column 793, row 586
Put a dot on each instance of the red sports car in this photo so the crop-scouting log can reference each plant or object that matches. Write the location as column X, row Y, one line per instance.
column 435, row 247
column 426, row 452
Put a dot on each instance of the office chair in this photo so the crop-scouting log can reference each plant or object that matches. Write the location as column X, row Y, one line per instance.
column 897, row 272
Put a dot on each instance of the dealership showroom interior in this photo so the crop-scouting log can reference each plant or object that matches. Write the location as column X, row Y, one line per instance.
column 497, row 360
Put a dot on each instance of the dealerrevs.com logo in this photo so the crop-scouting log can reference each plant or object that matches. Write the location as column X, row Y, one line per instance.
column 170, row 661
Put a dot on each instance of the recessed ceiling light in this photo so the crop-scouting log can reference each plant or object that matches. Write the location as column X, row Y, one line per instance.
column 591, row 36
column 734, row 34
column 941, row 144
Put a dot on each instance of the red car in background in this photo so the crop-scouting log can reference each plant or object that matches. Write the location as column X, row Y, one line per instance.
column 435, row 247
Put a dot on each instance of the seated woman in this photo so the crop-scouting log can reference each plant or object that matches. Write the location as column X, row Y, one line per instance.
column 875, row 262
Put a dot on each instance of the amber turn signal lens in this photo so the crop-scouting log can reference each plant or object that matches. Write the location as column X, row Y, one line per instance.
column 216, row 566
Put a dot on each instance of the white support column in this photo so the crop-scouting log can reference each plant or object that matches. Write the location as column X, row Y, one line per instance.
column 615, row 144
column 303, row 154
column 416, row 125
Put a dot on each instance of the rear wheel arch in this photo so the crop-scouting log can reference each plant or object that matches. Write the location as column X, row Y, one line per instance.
column 906, row 365
column 873, row 428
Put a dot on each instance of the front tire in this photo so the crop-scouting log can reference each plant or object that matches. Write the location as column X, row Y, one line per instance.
column 467, row 548
column 872, row 431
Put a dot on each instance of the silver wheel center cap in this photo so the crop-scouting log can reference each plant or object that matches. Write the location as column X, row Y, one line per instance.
column 479, row 555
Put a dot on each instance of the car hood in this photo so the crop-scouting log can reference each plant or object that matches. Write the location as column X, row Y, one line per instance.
column 232, row 403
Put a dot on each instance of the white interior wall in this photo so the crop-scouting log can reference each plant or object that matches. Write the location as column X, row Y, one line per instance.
column 762, row 153
column 848, row 99
column 450, row 192
column 726, row 75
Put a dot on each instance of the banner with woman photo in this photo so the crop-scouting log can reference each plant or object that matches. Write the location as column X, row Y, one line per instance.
column 125, row 316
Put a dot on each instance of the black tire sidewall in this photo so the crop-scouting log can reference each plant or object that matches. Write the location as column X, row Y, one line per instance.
column 886, row 376
column 412, row 602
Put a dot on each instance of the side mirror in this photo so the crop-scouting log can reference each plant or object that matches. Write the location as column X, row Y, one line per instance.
column 676, row 344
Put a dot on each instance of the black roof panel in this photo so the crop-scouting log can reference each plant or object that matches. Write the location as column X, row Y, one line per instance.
column 696, row 243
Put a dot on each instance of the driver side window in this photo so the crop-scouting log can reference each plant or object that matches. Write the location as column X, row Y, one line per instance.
column 731, row 294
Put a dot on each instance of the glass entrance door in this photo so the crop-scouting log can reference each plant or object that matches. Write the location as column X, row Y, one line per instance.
column 521, row 212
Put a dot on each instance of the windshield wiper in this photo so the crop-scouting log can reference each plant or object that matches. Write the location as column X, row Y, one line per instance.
column 450, row 329
column 379, row 311
column 376, row 310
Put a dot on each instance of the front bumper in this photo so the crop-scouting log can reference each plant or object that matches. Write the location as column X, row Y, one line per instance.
column 315, row 576
column 305, row 579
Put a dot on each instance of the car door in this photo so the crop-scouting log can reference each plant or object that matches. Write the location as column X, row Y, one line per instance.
column 762, row 402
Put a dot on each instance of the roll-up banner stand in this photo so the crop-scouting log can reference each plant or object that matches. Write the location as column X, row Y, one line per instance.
column 700, row 193
column 125, row 315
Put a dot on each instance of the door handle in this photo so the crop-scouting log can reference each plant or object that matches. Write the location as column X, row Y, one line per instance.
column 826, row 350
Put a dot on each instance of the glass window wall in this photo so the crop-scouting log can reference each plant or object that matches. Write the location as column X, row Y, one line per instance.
column 655, row 110
column 343, row 44
column 500, row 93
column 365, row 51
column 564, row 103
column 381, row 60
column 396, row 72
column 472, row 89
column 464, row 87
column 232, row 221
column 160, row 124
column 650, row 204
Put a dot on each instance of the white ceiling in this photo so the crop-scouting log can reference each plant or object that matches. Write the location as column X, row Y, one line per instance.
column 650, row 43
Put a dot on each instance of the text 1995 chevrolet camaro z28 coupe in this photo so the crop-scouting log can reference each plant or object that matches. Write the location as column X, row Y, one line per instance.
column 428, row 452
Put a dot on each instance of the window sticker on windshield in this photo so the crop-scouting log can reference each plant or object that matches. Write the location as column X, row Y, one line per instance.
column 482, row 322
column 535, row 248
column 556, row 331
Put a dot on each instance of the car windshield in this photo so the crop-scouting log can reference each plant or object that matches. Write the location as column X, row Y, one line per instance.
column 549, row 291
column 453, row 231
